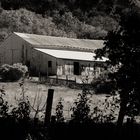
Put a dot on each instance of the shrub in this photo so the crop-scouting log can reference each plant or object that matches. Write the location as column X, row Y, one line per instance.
column 12, row 72
column 81, row 108
column 59, row 111
column 106, row 111
column 3, row 104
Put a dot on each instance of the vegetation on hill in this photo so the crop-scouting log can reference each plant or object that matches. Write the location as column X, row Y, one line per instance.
column 44, row 5
column 66, row 25
column 72, row 18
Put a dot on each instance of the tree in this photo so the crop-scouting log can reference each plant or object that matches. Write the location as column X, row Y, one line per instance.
column 122, row 47
column 81, row 109
column 59, row 111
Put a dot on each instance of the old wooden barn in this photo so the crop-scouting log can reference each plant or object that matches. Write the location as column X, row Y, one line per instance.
column 50, row 55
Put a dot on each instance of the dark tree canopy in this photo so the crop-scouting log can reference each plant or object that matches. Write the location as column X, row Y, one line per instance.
column 122, row 47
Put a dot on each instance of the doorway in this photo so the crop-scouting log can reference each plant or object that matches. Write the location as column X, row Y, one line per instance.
column 76, row 68
column 49, row 68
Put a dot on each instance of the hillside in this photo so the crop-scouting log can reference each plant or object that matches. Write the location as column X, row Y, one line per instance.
column 85, row 5
column 71, row 18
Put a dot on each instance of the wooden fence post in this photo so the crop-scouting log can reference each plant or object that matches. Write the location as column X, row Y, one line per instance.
column 66, row 79
column 49, row 107
column 56, row 79
column 39, row 77
column 75, row 80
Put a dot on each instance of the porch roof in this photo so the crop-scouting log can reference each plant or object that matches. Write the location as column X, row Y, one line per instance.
column 71, row 55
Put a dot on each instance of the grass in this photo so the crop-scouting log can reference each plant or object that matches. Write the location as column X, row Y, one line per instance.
column 38, row 93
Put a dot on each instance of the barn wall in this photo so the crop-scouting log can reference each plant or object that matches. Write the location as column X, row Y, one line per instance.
column 10, row 50
column 39, row 63
column 66, row 67
column 14, row 50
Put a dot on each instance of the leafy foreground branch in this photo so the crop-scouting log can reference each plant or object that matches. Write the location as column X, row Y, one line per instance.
column 87, row 120
column 122, row 47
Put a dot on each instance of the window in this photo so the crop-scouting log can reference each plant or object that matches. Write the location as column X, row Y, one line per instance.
column 49, row 64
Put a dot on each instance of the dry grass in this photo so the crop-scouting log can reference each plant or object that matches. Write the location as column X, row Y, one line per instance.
column 13, row 93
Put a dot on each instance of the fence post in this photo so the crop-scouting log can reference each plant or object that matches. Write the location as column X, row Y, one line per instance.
column 39, row 77
column 66, row 79
column 56, row 79
column 75, row 80
column 48, row 107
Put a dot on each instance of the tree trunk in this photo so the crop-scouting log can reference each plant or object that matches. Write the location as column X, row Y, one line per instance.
column 121, row 114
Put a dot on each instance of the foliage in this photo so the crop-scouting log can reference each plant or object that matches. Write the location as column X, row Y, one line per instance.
column 43, row 5
column 22, row 111
column 13, row 119
column 72, row 18
column 4, row 108
column 81, row 109
column 12, row 72
column 54, row 18
column 104, row 22
column 101, row 111
column 59, row 111
column 106, row 111
column 37, row 106
column 17, row 124
column 122, row 49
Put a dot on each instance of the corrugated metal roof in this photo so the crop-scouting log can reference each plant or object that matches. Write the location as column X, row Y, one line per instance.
column 42, row 40
column 71, row 55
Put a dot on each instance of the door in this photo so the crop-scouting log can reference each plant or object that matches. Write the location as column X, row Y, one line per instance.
column 49, row 68
column 76, row 68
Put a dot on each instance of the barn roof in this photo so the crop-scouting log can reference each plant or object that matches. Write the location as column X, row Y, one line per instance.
column 42, row 41
column 71, row 55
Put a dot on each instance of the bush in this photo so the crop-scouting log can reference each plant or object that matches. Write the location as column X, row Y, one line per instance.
column 81, row 108
column 12, row 72
column 59, row 111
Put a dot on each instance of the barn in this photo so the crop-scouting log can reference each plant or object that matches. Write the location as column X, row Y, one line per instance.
column 51, row 55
